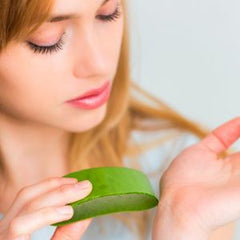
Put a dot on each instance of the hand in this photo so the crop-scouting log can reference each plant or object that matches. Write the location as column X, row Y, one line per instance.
column 37, row 205
column 200, row 191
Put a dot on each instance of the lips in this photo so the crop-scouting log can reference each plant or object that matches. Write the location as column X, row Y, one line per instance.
column 92, row 99
column 92, row 92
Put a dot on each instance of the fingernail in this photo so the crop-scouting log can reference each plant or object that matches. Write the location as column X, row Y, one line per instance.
column 65, row 210
column 83, row 184
column 72, row 180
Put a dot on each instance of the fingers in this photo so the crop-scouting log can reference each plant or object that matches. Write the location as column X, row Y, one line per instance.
column 29, row 192
column 222, row 137
column 72, row 231
column 28, row 223
column 60, row 196
column 46, row 209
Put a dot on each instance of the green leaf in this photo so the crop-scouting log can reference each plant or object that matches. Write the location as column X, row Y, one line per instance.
column 115, row 189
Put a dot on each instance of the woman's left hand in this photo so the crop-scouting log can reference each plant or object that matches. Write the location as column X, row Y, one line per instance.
column 200, row 192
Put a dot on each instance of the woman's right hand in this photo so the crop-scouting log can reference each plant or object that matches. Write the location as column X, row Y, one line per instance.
column 42, row 204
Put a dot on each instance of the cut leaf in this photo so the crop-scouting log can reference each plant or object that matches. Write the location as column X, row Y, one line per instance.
column 115, row 189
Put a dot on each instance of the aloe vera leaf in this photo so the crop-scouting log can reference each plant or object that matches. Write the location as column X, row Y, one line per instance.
column 115, row 189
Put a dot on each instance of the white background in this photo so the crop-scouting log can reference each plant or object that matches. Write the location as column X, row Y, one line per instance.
column 187, row 53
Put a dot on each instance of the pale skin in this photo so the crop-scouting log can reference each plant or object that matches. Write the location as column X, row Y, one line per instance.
column 36, row 123
column 200, row 191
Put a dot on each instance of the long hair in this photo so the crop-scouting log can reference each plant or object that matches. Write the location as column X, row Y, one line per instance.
column 108, row 143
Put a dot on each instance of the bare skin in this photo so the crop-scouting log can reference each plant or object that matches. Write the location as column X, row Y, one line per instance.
column 200, row 189
column 223, row 233
column 36, row 123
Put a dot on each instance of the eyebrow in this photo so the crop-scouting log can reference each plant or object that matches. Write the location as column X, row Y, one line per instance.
column 59, row 18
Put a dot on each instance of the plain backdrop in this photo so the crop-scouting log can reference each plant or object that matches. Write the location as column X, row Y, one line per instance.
column 187, row 53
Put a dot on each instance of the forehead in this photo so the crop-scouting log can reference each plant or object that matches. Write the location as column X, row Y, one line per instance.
column 77, row 5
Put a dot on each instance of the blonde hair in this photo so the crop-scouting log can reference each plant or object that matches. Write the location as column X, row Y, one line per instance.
column 108, row 143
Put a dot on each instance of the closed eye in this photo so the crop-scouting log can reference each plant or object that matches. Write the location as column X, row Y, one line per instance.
column 59, row 45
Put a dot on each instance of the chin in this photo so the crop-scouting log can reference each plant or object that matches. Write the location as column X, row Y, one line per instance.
column 86, row 120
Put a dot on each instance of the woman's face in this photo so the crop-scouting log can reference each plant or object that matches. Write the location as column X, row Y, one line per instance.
column 36, row 82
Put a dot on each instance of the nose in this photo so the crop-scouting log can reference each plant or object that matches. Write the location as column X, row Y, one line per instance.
column 89, row 58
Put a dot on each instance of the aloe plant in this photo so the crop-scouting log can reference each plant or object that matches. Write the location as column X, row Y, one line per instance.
column 115, row 189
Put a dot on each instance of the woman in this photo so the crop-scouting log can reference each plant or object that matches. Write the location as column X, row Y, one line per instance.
column 54, row 52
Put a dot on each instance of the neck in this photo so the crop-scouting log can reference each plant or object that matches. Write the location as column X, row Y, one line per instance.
column 31, row 152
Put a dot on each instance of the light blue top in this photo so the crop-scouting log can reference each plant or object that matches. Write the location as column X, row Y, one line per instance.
column 107, row 227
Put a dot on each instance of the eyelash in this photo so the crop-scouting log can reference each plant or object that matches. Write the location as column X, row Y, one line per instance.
column 58, row 46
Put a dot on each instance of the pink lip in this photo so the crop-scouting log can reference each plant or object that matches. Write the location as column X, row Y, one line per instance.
column 91, row 92
column 92, row 99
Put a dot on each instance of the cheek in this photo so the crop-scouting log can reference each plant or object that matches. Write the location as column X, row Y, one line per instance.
column 23, row 86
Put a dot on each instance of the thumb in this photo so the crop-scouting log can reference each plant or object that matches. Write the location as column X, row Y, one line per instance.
column 71, row 231
column 221, row 138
